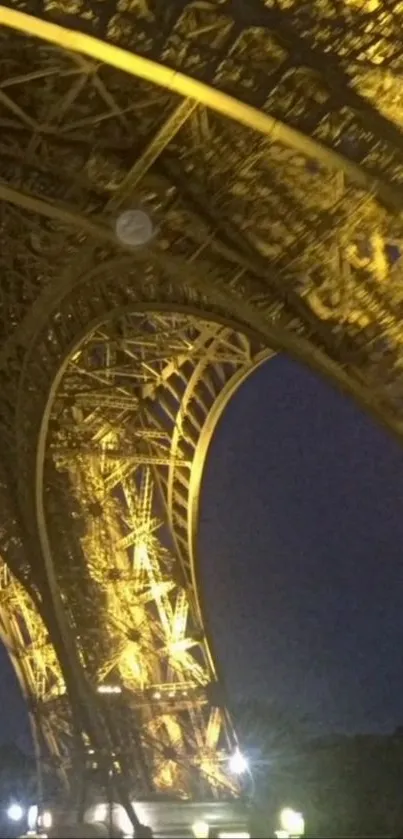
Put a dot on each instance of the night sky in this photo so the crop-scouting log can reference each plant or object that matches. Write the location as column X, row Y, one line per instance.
column 301, row 547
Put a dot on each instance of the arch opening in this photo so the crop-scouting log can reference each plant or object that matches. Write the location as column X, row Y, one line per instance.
column 148, row 372
column 168, row 386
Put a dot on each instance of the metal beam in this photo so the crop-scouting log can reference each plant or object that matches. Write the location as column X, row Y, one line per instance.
column 157, row 145
column 189, row 88
column 56, row 212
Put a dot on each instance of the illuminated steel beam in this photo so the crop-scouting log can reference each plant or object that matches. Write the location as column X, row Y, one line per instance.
column 189, row 88
column 27, row 642
column 147, row 645
column 154, row 148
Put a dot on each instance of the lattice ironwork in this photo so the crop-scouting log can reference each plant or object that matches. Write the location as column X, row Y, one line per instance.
column 263, row 139
column 129, row 427
column 31, row 651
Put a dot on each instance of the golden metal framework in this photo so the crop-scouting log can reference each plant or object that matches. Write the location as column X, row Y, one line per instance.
column 264, row 141
column 129, row 426
column 32, row 653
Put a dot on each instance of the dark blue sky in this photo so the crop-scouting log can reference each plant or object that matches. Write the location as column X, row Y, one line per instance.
column 301, row 555
column 301, row 545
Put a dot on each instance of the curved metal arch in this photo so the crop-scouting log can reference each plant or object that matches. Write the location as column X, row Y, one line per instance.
column 272, row 336
column 227, row 309
column 187, row 87
column 277, row 340
column 217, row 399
column 189, row 396
column 40, row 509
column 49, row 354
column 44, row 534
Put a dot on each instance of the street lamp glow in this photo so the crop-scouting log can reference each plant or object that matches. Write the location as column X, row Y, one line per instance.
column 46, row 820
column 292, row 822
column 238, row 763
column 109, row 689
column 15, row 812
column 231, row 834
column 100, row 813
column 200, row 830
column 33, row 817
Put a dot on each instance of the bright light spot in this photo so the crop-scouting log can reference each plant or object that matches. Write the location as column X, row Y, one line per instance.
column 281, row 834
column 238, row 763
column 233, row 834
column 109, row 689
column 134, row 228
column 15, row 812
column 141, row 555
column 292, row 822
column 46, row 820
column 32, row 817
column 200, row 830
column 100, row 813
column 121, row 820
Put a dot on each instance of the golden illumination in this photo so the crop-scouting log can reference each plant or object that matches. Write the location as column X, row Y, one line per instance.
column 153, row 665
column 158, row 74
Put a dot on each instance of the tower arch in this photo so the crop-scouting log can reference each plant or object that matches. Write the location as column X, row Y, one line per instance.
column 164, row 372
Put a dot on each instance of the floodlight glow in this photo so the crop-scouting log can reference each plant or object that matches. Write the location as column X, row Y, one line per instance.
column 46, row 820
column 292, row 822
column 238, row 763
column 15, row 812
column 33, row 816
column 100, row 813
column 200, row 830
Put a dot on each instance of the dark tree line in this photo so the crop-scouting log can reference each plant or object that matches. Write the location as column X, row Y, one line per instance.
column 345, row 786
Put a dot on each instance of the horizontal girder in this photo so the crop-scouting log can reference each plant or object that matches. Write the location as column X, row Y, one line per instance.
column 250, row 50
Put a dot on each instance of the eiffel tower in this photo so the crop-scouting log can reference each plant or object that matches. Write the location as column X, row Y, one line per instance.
column 187, row 189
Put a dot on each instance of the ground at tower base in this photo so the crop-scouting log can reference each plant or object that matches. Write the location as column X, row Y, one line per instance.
column 161, row 820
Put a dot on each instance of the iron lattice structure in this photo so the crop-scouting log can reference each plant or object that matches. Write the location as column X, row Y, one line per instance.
column 264, row 141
